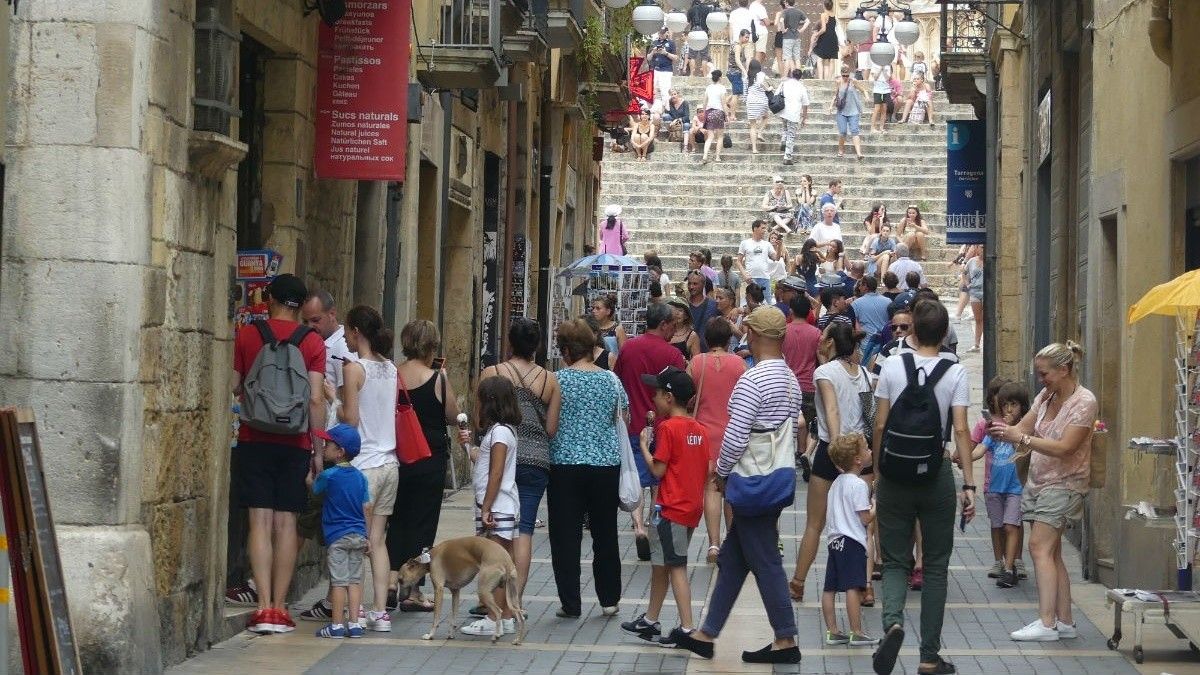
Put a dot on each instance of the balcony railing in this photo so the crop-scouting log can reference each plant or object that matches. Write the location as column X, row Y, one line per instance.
column 965, row 28
column 470, row 24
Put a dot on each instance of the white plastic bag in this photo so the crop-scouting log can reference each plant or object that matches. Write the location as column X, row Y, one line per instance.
column 629, row 491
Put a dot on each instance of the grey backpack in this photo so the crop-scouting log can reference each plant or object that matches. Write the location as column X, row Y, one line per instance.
column 276, row 389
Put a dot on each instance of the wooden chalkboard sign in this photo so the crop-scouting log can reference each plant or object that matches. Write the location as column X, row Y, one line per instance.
column 44, row 622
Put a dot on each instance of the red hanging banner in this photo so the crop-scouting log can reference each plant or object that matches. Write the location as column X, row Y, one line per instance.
column 362, row 92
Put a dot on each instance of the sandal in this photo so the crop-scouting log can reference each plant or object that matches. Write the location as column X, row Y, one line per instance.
column 868, row 598
column 712, row 554
column 411, row 605
column 796, row 590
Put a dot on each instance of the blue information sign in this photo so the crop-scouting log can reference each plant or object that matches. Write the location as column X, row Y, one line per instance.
column 966, row 182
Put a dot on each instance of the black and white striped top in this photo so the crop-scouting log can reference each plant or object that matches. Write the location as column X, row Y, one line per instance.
column 764, row 397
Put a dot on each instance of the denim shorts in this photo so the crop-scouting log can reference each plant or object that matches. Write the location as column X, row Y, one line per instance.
column 646, row 478
column 847, row 125
column 531, row 485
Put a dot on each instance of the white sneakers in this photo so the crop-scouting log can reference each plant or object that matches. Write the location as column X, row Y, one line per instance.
column 1038, row 632
column 486, row 626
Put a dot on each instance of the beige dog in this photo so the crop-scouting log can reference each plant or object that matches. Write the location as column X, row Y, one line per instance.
column 453, row 564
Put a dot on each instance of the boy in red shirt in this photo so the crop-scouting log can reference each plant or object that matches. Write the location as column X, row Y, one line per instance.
column 680, row 462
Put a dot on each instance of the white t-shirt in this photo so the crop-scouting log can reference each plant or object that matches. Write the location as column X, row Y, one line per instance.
column 758, row 12
column 823, row 234
column 846, row 388
column 951, row 390
column 336, row 356
column 758, row 257
column 714, row 96
column 881, row 84
column 739, row 20
column 848, row 495
column 507, row 501
column 795, row 99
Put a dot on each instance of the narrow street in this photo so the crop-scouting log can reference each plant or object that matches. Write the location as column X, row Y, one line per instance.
column 979, row 617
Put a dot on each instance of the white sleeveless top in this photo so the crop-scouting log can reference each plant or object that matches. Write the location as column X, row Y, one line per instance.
column 377, row 415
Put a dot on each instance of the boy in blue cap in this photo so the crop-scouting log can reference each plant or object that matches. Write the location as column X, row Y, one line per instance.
column 343, row 520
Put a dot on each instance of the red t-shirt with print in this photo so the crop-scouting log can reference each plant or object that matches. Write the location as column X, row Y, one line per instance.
column 682, row 444
column 245, row 348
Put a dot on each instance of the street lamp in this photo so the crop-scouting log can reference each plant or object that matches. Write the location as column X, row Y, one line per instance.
column 647, row 18
column 717, row 21
column 697, row 40
column 906, row 31
column 677, row 21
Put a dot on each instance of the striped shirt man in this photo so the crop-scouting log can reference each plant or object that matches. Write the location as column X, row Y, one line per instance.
column 764, row 397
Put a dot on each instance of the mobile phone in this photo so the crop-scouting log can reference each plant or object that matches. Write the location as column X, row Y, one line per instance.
column 986, row 414
column 962, row 522
column 438, row 362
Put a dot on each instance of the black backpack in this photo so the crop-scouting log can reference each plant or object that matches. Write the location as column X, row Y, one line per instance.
column 914, row 438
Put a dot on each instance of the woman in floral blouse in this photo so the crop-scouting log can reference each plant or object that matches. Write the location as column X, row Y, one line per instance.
column 585, row 468
column 1056, row 433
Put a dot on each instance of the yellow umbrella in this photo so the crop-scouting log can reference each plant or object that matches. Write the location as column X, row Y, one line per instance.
column 1177, row 297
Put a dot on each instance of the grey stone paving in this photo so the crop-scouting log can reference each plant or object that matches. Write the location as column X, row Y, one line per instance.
column 978, row 619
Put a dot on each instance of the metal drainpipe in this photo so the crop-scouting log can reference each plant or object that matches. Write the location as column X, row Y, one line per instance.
column 444, row 224
column 544, row 209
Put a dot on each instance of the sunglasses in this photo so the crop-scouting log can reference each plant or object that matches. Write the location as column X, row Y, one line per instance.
column 902, row 326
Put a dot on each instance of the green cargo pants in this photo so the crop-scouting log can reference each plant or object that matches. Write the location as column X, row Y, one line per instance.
column 899, row 507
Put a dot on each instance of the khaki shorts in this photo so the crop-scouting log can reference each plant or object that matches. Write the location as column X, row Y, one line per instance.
column 1057, row 507
column 382, row 482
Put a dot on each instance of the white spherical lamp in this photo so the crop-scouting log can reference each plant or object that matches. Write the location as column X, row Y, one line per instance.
column 647, row 18
column 697, row 40
column 679, row 4
column 616, row 4
column 883, row 53
column 677, row 21
column 907, row 31
column 859, row 29
column 717, row 21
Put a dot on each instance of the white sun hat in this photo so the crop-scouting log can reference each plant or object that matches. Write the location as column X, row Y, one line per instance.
column 612, row 210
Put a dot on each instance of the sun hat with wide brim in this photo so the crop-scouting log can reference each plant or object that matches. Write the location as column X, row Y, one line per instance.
column 612, row 210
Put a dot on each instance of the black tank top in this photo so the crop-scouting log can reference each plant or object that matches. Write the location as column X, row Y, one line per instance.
column 432, row 414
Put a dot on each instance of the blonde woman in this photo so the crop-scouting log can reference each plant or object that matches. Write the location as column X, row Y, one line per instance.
column 847, row 107
column 1056, row 434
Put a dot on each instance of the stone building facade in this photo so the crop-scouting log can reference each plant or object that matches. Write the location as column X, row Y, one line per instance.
column 121, row 222
column 1097, row 195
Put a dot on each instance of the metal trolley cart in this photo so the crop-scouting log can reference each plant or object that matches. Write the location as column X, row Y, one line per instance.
column 1179, row 611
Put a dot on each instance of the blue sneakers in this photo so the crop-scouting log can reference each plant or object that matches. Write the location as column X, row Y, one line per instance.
column 336, row 632
column 355, row 631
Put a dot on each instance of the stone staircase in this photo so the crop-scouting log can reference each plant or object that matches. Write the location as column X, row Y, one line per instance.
column 673, row 204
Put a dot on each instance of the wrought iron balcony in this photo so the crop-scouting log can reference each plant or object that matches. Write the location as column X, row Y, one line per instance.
column 468, row 50
column 562, row 21
column 965, row 28
column 966, row 32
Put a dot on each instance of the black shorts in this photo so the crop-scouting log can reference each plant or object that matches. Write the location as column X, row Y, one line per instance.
column 881, row 99
column 778, row 39
column 269, row 476
column 846, row 567
column 823, row 466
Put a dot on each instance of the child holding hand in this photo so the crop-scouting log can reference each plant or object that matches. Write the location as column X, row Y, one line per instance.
column 849, row 512
column 344, row 524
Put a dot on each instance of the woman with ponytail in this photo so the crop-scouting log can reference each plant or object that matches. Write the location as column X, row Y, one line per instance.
column 1056, row 434
column 612, row 231
column 369, row 402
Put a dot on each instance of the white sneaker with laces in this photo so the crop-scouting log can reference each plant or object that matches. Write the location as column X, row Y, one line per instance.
column 996, row 570
column 380, row 622
column 1066, row 630
column 1035, row 632
column 487, row 627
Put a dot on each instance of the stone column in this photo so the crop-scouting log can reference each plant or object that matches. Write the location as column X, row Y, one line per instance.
column 77, row 277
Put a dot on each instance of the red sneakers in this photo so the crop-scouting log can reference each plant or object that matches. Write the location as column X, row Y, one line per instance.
column 270, row 621
column 260, row 622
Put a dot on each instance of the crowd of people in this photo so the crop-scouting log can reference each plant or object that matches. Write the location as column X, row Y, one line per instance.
column 741, row 72
column 716, row 407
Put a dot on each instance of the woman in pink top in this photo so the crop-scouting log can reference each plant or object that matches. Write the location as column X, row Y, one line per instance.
column 1058, row 433
column 715, row 375
column 612, row 231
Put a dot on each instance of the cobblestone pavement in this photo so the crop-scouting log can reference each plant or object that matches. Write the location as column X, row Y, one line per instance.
column 978, row 619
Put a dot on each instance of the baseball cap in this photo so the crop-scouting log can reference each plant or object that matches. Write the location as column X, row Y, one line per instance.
column 345, row 436
column 680, row 303
column 767, row 321
column 287, row 289
column 776, row 178
column 673, row 380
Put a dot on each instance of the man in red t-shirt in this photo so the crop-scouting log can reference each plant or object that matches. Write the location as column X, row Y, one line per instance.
column 268, row 470
column 646, row 354
column 680, row 460
column 800, row 353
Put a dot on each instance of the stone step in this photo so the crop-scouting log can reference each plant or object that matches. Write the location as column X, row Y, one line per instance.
column 696, row 219
column 635, row 190
column 682, row 243
column 824, row 143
